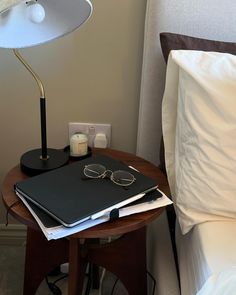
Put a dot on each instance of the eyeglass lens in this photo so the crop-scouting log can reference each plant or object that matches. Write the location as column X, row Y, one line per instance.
column 122, row 177
column 94, row 170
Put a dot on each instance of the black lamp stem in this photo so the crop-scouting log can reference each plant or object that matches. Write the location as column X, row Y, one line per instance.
column 43, row 128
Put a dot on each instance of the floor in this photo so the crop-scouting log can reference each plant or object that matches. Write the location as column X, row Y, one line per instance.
column 12, row 274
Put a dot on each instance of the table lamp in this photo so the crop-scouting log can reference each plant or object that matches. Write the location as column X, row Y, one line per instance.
column 30, row 23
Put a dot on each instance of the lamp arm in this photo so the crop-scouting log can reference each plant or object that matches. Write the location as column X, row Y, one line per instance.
column 32, row 72
column 44, row 152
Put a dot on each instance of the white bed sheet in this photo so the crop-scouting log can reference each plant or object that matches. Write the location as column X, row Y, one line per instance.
column 207, row 249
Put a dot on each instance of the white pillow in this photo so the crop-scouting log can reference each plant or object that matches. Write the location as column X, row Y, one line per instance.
column 199, row 129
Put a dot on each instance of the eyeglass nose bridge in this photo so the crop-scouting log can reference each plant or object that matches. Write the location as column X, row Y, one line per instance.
column 108, row 173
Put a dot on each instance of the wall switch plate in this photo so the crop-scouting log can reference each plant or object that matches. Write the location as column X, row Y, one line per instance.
column 91, row 129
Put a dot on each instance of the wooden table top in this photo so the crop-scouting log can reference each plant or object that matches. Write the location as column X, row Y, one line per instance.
column 118, row 227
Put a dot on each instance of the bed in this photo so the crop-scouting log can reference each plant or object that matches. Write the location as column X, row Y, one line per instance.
column 199, row 128
column 206, row 245
column 207, row 250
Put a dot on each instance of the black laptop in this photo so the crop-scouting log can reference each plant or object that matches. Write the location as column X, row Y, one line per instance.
column 68, row 196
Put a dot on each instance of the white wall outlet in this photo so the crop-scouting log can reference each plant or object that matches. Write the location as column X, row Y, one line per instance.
column 91, row 130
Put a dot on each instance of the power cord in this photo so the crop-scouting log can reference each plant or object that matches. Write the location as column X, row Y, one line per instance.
column 150, row 275
column 89, row 282
column 113, row 288
column 9, row 208
column 57, row 291
column 53, row 287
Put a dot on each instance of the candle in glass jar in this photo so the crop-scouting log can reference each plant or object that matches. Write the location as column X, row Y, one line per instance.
column 78, row 145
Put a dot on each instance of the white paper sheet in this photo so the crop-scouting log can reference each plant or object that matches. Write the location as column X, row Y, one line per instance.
column 62, row 231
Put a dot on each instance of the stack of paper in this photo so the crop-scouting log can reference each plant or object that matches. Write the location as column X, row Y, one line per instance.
column 54, row 230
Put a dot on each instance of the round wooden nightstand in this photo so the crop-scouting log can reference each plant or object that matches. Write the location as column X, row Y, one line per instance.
column 125, row 256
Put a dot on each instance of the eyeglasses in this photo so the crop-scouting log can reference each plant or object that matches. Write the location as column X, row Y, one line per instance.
column 120, row 177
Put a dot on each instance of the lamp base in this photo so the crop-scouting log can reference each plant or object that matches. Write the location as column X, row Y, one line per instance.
column 32, row 164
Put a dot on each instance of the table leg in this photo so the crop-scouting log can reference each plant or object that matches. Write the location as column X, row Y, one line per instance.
column 77, row 266
column 126, row 258
column 42, row 256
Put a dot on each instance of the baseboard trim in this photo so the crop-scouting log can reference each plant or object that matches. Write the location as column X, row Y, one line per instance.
column 12, row 234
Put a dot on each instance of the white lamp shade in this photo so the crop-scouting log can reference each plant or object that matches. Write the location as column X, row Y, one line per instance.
column 17, row 30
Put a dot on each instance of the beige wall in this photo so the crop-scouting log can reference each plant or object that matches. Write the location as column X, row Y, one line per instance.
column 92, row 75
